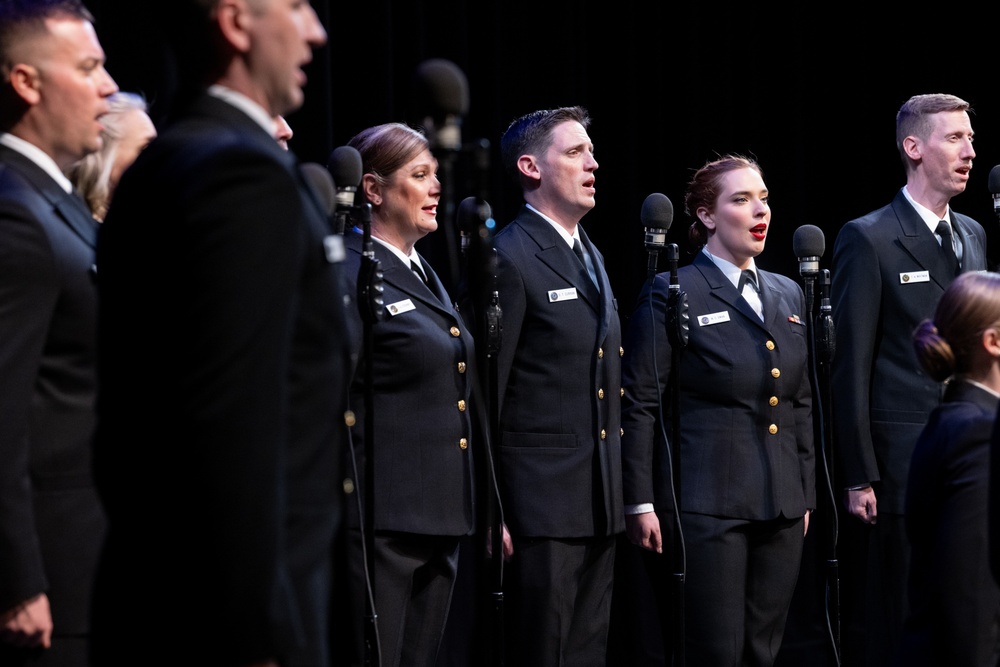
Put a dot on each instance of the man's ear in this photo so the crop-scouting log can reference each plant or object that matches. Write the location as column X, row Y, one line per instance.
column 233, row 19
column 528, row 167
column 26, row 83
column 912, row 148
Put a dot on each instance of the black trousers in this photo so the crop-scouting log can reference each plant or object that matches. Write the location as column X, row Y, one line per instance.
column 558, row 602
column 741, row 577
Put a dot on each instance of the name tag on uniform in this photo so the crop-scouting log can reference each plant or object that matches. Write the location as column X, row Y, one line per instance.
column 400, row 307
column 914, row 277
column 567, row 294
column 333, row 245
column 713, row 318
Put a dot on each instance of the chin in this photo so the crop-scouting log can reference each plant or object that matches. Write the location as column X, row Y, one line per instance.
column 292, row 101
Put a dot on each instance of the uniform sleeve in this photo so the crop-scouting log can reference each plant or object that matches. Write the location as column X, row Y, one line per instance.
column 804, row 424
column 28, row 291
column 855, row 296
column 513, row 305
column 646, row 369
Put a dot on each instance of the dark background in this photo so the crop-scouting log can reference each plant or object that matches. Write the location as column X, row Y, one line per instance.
column 811, row 91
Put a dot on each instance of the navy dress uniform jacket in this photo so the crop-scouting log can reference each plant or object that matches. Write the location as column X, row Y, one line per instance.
column 51, row 521
column 560, row 441
column 224, row 363
column 889, row 272
column 954, row 616
column 746, row 431
column 422, row 372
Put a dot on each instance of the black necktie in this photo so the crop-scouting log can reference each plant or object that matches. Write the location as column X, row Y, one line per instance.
column 419, row 271
column 944, row 231
column 747, row 276
column 584, row 259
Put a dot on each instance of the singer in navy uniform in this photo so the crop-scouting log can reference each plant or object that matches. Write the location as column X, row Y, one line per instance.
column 54, row 90
column 223, row 367
column 747, row 463
column 559, row 368
column 890, row 267
column 954, row 616
column 422, row 370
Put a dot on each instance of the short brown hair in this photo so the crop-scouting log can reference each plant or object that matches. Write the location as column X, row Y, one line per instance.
column 913, row 118
column 969, row 306
column 531, row 134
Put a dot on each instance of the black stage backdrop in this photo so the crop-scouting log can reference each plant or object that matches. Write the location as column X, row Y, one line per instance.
column 810, row 91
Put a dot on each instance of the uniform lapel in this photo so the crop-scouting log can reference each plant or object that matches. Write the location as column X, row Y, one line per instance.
column 400, row 276
column 70, row 208
column 604, row 296
column 920, row 242
column 555, row 253
column 724, row 290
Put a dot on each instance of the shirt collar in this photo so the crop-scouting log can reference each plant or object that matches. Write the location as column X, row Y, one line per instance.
column 38, row 156
column 926, row 214
column 730, row 270
column 406, row 259
column 981, row 386
column 566, row 236
column 244, row 104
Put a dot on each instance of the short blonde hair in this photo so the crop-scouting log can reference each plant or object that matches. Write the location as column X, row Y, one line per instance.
column 92, row 175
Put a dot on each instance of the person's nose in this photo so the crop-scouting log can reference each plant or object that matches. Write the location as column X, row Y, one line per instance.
column 107, row 85
column 968, row 151
column 315, row 33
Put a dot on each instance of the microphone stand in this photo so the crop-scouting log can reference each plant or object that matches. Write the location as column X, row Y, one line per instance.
column 494, row 336
column 370, row 290
column 677, row 333
column 825, row 347
column 484, row 299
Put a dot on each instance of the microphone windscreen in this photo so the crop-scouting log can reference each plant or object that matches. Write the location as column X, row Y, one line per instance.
column 657, row 212
column 808, row 241
column 470, row 216
column 322, row 185
column 995, row 180
column 440, row 89
column 345, row 166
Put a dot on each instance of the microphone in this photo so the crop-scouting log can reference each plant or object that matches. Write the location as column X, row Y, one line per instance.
column 656, row 215
column 995, row 188
column 808, row 243
column 322, row 185
column 441, row 95
column 345, row 166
